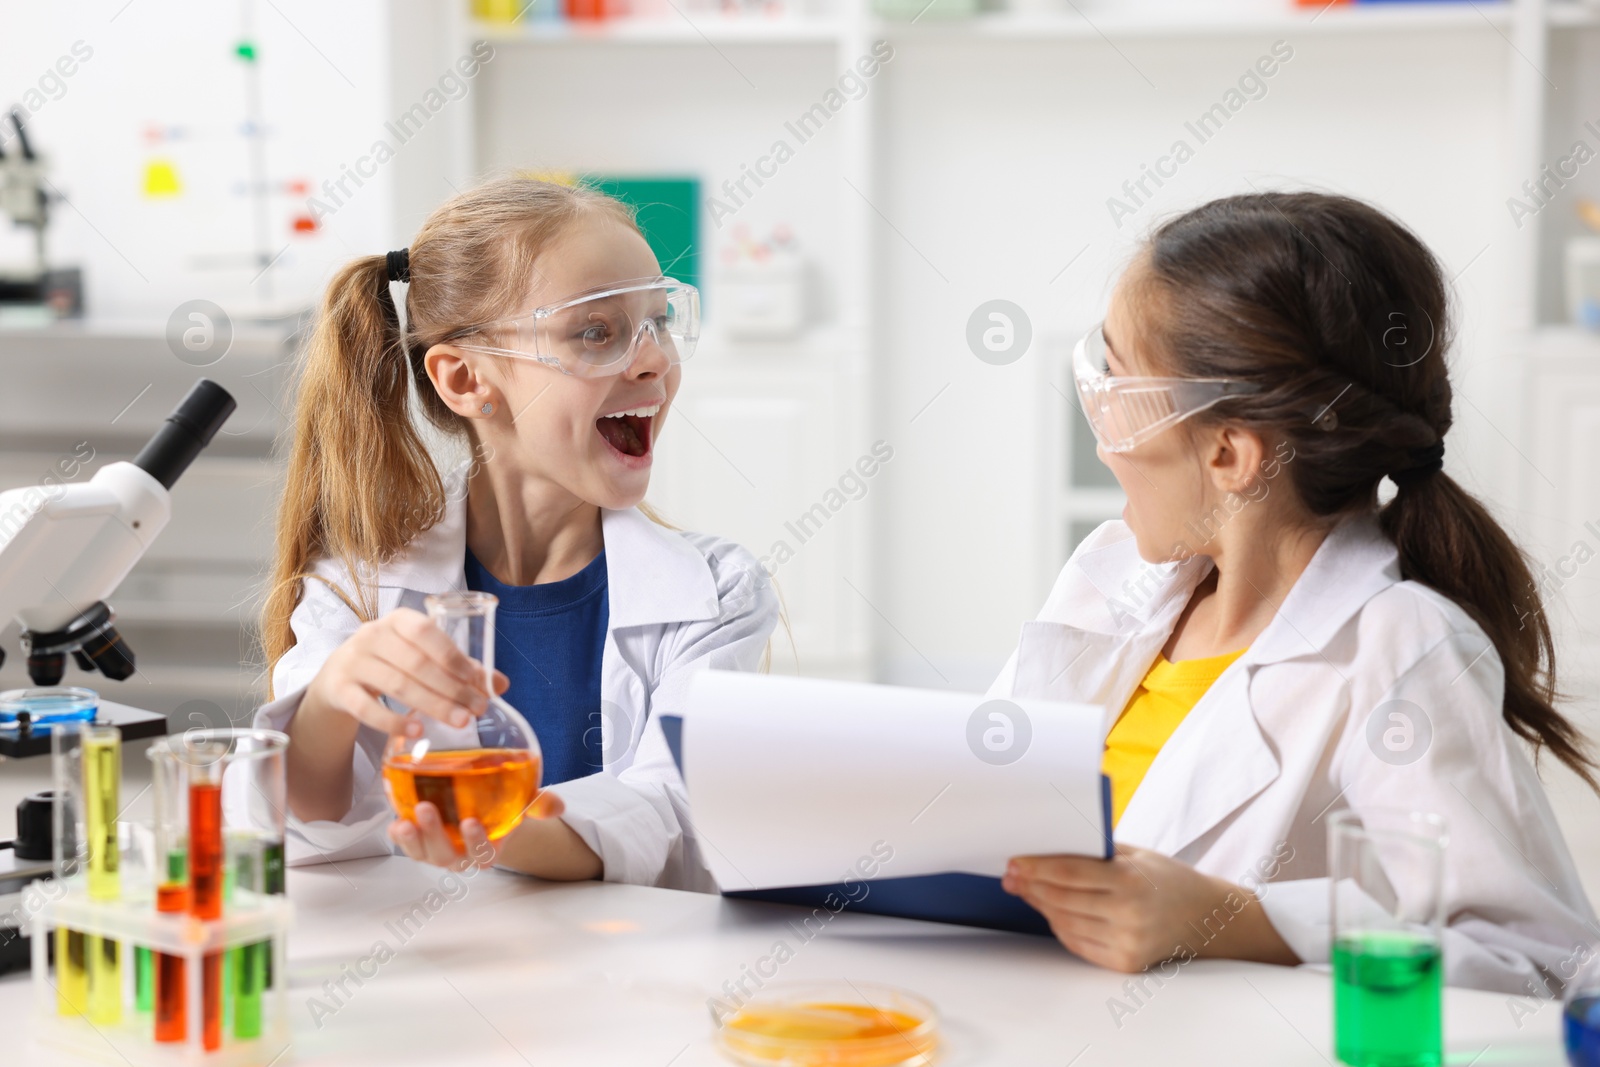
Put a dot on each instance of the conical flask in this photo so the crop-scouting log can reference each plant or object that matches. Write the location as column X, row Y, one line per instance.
column 488, row 770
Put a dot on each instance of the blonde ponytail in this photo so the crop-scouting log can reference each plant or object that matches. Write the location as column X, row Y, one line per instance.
column 357, row 465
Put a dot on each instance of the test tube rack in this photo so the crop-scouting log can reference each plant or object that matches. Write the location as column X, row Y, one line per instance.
column 251, row 918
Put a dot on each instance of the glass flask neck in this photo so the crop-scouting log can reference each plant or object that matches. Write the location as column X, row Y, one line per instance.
column 467, row 618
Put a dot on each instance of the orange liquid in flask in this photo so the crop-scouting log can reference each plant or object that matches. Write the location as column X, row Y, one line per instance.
column 493, row 785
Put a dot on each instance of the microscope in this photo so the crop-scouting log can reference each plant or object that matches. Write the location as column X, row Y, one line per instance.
column 25, row 195
column 65, row 548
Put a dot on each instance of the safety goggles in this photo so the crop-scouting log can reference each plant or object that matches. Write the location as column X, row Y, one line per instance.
column 1125, row 412
column 598, row 332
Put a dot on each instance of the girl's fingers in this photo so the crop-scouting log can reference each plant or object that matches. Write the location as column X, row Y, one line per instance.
column 437, row 848
column 420, row 664
column 501, row 682
column 381, row 676
column 354, row 699
column 1072, row 872
column 1079, row 943
column 545, row 806
column 417, row 630
column 1082, row 906
column 476, row 839
column 404, row 833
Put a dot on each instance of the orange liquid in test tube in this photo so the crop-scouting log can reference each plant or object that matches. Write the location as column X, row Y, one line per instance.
column 172, row 1021
column 205, row 892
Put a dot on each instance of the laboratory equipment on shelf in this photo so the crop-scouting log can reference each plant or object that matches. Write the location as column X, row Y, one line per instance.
column 488, row 770
column 25, row 196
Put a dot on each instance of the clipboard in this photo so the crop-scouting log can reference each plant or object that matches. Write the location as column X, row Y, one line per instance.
column 956, row 898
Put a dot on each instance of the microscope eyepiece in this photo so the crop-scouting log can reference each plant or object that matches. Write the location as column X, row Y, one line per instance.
column 189, row 428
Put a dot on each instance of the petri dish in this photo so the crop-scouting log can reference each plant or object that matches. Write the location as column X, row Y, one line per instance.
column 830, row 1024
column 39, row 707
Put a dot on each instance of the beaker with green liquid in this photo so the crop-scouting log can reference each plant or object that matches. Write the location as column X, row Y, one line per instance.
column 1387, row 873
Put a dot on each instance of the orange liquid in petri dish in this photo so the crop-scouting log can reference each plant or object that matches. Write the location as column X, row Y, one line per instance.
column 493, row 785
column 829, row 1035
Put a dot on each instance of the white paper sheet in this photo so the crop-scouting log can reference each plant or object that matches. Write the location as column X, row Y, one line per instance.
column 796, row 781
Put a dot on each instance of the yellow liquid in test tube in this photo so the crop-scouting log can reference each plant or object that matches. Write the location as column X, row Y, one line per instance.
column 102, row 781
column 72, row 972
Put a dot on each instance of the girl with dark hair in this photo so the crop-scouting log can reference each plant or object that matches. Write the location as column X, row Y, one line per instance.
column 1281, row 645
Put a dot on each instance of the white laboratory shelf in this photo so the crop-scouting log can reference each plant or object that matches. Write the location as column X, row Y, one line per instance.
column 679, row 29
column 1074, row 23
column 1091, row 23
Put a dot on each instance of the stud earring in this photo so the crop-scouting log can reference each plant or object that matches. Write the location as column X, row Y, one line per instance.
column 487, row 409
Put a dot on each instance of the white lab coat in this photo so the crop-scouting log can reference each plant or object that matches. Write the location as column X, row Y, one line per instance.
column 679, row 602
column 1281, row 740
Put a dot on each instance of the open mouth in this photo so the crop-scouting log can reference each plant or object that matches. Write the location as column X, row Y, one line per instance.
column 628, row 431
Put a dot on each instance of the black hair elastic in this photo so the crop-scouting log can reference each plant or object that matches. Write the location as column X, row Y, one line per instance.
column 1427, row 462
column 399, row 264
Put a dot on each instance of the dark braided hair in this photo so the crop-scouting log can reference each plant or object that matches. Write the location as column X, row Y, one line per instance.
column 1341, row 314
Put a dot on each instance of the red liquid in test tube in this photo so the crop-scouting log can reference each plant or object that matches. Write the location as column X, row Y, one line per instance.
column 205, row 896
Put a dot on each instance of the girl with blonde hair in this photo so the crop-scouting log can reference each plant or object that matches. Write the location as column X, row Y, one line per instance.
column 539, row 332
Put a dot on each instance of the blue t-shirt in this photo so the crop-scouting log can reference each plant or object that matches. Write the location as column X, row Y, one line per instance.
column 548, row 640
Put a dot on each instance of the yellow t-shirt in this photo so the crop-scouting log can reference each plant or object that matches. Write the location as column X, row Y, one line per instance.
column 1166, row 695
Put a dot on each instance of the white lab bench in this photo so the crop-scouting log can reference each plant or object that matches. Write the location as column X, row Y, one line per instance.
column 509, row 970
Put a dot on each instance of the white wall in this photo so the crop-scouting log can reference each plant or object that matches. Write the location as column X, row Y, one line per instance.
column 170, row 66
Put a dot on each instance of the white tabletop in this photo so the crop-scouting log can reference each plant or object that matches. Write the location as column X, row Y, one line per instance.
column 509, row 970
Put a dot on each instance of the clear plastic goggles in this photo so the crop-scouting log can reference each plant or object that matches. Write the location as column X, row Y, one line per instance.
column 598, row 332
column 1125, row 412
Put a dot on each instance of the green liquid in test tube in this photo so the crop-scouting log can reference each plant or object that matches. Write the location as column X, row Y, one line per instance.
column 144, row 979
column 230, row 954
column 244, row 971
column 260, row 867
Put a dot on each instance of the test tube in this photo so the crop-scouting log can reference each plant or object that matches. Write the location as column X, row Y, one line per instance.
column 170, row 823
column 206, row 873
column 69, row 848
column 172, row 1021
column 72, row 972
column 143, row 979
column 102, row 780
column 256, row 776
column 229, row 955
column 247, row 964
